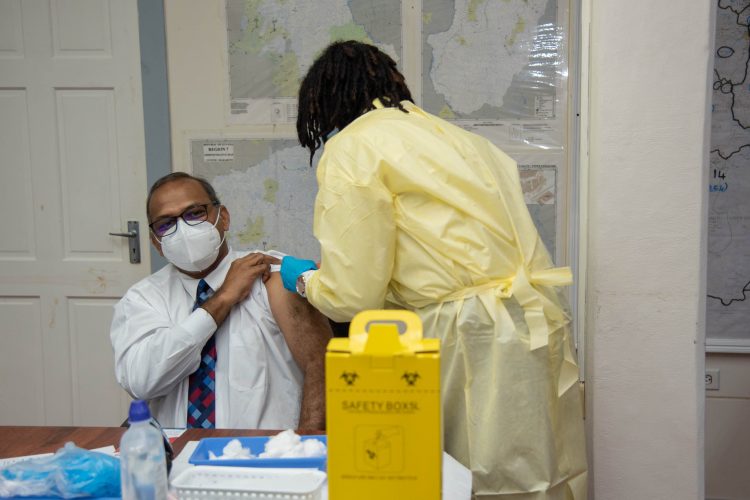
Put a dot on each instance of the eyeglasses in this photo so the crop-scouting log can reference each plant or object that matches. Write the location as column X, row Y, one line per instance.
column 192, row 216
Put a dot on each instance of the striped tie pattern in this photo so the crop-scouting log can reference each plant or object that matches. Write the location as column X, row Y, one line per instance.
column 202, row 385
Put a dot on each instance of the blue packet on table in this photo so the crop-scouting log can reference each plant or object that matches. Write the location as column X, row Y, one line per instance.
column 70, row 473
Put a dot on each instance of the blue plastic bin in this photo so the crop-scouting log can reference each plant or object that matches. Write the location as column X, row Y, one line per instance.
column 257, row 446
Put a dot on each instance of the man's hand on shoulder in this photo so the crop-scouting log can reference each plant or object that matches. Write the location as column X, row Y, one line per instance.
column 237, row 284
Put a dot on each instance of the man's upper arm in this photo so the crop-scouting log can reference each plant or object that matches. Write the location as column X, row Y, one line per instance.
column 305, row 329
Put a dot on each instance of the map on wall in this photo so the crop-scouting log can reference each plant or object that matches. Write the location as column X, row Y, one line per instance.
column 728, row 280
column 539, row 184
column 269, row 189
column 272, row 43
column 498, row 61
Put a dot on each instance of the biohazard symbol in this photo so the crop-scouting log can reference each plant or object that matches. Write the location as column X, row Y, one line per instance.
column 410, row 377
column 349, row 377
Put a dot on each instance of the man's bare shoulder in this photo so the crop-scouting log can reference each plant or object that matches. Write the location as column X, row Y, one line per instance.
column 282, row 301
column 275, row 288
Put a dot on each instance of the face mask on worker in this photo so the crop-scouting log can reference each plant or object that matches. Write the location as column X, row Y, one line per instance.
column 193, row 248
column 331, row 134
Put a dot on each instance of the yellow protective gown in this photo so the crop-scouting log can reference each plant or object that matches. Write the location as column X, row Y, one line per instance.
column 413, row 212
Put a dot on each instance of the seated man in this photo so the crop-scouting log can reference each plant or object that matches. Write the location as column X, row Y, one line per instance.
column 213, row 339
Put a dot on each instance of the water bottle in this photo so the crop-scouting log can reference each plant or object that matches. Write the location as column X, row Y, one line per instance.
column 143, row 469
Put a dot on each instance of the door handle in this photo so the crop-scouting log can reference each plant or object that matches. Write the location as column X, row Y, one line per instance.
column 134, row 242
column 129, row 234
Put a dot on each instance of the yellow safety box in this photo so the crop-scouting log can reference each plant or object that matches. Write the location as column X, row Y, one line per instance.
column 383, row 410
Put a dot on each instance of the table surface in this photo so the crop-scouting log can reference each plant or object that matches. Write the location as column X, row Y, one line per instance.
column 16, row 441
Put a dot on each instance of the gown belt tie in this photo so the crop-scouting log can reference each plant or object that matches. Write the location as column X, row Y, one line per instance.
column 537, row 309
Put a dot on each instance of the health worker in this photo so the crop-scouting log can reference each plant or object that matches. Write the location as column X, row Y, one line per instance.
column 413, row 212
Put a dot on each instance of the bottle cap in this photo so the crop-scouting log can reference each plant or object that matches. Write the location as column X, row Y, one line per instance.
column 138, row 411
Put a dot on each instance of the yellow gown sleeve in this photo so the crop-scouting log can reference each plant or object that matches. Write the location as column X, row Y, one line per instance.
column 354, row 224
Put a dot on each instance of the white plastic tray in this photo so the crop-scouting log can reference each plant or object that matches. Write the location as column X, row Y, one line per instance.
column 205, row 482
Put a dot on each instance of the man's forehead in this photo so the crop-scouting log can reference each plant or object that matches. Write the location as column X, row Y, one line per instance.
column 177, row 195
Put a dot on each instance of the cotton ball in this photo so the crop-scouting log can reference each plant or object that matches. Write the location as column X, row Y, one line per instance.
column 313, row 448
column 233, row 449
column 281, row 444
column 288, row 444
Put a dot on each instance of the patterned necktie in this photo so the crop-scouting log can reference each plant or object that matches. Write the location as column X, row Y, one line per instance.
column 201, row 399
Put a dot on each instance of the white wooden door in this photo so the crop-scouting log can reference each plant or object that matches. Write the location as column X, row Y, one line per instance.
column 72, row 169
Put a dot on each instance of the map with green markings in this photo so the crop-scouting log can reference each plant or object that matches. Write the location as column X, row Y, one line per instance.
column 269, row 189
column 272, row 43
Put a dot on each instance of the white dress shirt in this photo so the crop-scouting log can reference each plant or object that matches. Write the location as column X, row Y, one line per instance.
column 157, row 340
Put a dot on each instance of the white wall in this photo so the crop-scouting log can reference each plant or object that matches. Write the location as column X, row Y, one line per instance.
column 648, row 100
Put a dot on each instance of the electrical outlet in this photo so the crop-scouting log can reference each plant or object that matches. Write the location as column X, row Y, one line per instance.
column 712, row 379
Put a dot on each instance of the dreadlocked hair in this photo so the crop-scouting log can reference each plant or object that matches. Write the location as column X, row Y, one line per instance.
column 341, row 85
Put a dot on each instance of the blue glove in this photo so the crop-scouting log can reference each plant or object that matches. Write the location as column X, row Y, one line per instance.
column 291, row 268
column 70, row 472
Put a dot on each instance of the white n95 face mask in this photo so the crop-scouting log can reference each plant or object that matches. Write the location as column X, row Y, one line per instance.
column 193, row 248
